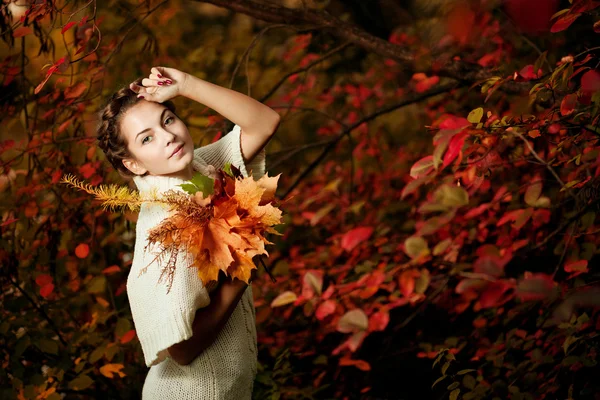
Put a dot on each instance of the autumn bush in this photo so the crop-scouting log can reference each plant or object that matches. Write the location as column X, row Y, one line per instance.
column 440, row 166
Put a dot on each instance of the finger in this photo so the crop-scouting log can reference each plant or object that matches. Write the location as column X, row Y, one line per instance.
column 166, row 80
column 158, row 71
column 152, row 83
column 135, row 87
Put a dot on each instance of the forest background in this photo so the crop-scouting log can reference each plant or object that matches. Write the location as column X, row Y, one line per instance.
column 440, row 159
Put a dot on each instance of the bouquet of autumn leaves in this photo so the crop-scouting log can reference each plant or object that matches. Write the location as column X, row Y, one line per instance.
column 221, row 223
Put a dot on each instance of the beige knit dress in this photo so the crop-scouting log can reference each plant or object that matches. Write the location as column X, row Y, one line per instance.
column 226, row 369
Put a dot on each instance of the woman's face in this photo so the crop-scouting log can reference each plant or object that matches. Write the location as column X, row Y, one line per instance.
column 153, row 133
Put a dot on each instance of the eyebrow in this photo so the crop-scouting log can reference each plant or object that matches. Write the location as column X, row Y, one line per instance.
column 147, row 129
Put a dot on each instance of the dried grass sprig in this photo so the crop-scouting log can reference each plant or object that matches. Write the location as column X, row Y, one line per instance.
column 113, row 197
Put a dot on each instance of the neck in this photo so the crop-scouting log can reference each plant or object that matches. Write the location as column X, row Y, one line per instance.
column 185, row 174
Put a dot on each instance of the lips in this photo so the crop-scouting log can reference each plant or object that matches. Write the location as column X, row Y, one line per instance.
column 176, row 150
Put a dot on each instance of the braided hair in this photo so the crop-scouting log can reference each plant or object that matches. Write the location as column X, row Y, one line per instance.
column 108, row 132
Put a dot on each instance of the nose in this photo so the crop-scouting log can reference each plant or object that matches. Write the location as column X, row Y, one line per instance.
column 169, row 137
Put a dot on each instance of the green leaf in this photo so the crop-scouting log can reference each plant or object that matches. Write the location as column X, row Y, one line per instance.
column 445, row 368
column 475, row 115
column 454, row 394
column 465, row 371
column 451, row 196
column 189, row 188
column 416, row 246
column 453, row 385
column 123, row 326
column 441, row 246
column 97, row 354
column 81, row 382
column 47, row 346
column 199, row 183
column 469, row 382
column 227, row 169
column 204, row 184
column 97, row 284
column 353, row 321
column 569, row 341
column 438, row 380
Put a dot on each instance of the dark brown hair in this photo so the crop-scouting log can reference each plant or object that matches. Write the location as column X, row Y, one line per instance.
column 108, row 132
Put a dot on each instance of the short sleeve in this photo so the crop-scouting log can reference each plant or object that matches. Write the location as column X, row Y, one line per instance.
column 229, row 149
column 161, row 319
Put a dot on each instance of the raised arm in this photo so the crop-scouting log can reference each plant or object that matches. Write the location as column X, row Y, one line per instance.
column 257, row 121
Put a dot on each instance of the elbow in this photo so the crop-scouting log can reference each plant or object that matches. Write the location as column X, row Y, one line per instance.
column 274, row 121
column 181, row 355
column 178, row 355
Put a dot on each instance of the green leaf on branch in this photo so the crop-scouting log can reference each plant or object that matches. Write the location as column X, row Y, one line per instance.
column 200, row 183
column 81, row 382
column 353, row 321
column 532, row 196
column 416, row 247
column 227, row 169
column 438, row 380
column 451, row 196
column 475, row 115
column 454, row 394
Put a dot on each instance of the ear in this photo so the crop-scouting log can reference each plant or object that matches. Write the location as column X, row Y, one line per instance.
column 134, row 166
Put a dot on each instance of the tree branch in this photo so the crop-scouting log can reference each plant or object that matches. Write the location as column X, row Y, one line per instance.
column 348, row 32
column 410, row 100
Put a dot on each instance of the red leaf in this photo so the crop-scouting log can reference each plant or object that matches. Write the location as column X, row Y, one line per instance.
column 352, row 238
column 564, row 22
column 111, row 270
column 22, row 31
column 379, row 320
column 406, row 281
column 67, row 27
column 82, row 250
column 360, row 364
column 531, row 16
column 492, row 295
column 426, row 84
column 568, row 103
column 590, row 82
column 87, row 170
column 43, row 280
column 534, row 133
column 9, row 221
column 528, row 73
column 46, row 290
column 325, row 309
column 454, row 148
column 128, row 336
column 453, row 122
column 75, row 91
column 577, row 267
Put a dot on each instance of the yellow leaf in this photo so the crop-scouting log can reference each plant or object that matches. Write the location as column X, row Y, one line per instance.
column 269, row 184
column 283, row 299
column 416, row 247
column 109, row 370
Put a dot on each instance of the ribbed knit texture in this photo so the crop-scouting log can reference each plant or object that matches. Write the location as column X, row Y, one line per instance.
column 226, row 369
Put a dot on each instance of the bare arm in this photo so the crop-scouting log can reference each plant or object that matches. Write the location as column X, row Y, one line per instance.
column 209, row 321
column 257, row 121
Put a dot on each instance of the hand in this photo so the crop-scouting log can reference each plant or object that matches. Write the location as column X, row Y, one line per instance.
column 161, row 85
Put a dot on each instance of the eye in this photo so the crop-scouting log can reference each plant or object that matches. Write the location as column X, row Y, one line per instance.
column 144, row 139
column 168, row 118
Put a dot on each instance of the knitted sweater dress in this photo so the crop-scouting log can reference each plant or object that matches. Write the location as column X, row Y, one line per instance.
column 226, row 369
